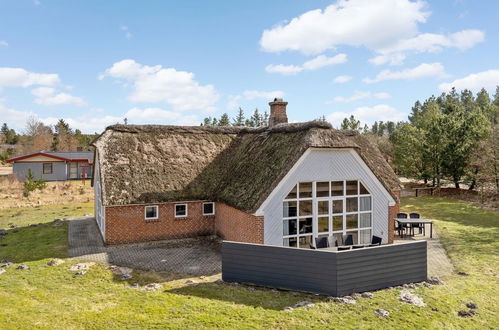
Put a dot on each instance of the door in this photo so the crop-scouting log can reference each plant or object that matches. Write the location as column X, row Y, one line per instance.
column 73, row 170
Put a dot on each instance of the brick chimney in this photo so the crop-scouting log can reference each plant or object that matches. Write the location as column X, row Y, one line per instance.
column 277, row 112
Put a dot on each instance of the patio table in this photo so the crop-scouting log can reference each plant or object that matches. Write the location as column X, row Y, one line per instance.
column 416, row 221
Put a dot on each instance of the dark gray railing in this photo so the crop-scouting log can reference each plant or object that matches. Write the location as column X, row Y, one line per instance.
column 335, row 273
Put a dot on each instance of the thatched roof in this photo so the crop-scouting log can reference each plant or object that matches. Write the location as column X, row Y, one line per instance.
column 237, row 166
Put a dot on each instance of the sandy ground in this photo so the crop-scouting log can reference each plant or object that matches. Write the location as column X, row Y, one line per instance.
column 59, row 192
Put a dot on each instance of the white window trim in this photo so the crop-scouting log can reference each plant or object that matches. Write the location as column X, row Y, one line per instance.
column 151, row 218
column 180, row 216
column 212, row 203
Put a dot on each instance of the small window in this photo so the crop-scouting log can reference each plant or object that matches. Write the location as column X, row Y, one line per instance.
column 151, row 212
column 47, row 168
column 208, row 208
column 180, row 210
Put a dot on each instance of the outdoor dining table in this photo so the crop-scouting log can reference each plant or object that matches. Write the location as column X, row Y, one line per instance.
column 416, row 221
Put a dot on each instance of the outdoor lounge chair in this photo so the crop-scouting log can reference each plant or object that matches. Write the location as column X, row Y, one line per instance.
column 375, row 241
column 420, row 226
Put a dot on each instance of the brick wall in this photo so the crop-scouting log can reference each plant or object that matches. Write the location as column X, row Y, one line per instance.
column 126, row 224
column 235, row 225
column 392, row 214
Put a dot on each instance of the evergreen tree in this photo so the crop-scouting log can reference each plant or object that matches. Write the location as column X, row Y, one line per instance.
column 224, row 120
column 10, row 136
column 350, row 124
column 239, row 120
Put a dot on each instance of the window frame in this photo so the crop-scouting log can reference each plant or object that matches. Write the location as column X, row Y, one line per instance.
column 213, row 205
column 151, row 218
column 175, row 210
column 51, row 168
column 315, row 214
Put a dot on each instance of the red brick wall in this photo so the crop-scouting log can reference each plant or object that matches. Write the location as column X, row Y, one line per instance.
column 126, row 224
column 235, row 225
column 392, row 214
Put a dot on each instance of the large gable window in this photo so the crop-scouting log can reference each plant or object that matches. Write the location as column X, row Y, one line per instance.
column 327, row 209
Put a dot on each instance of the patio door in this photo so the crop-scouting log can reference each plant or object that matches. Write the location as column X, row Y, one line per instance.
column 73, row 170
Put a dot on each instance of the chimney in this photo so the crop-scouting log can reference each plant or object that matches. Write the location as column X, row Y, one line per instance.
column 277, row 112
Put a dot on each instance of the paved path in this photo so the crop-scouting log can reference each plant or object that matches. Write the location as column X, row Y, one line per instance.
column 196, row 256
column 439, row 263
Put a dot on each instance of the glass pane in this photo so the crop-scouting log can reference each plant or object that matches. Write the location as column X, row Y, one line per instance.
column 289, row 227
column 290, row 242
column 365, row 236
column 352, row 221
column 337, row 223
column 289, row 209
column 338, row 206
column 305, row 189
column 150, row 212
column 305, row 242
column 351, row 204
column 365, row 203
column 305, row 226
column 365, row 220
column 208, row 208
column 322, row 189
column 292, row 194
column 323, row 207
column 355, row 236
column 305, row 207
column 363, row 190
column 352, row 188
column 180, row 210
column 323, row 224
column 337, row 188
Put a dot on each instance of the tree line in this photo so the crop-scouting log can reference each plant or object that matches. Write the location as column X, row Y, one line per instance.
column 38, row 136
column 257, row 119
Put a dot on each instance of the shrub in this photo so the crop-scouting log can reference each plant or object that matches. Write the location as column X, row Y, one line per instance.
column 31, row 185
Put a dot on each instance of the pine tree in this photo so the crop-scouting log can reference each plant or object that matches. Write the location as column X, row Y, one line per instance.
column 239, row 120
column 224, row 120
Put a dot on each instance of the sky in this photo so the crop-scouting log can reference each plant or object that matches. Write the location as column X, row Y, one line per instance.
column 95, row 63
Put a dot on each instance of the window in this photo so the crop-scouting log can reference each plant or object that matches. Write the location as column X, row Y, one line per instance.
column 151, row 212
column 47, row 168
column 327, row 208
column 180, row 210
column 208, row 208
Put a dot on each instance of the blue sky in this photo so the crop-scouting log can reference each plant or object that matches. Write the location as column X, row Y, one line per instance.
column 176, row 62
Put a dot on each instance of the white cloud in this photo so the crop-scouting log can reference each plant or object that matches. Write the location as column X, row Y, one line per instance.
column 360, row 95
column 157, row 84
column 368, row 115
column 432, row 43
column 3, row 43
column 283, row 69
column 158, row 115
column 252, row 94
column 18, row 77
column 391, row 59
column 486, row 79
column 16, row 119
column 313, row 64
column 342, row 79
column 374, row 24
column 421, row 71
column 128, row 34
column 48, row 96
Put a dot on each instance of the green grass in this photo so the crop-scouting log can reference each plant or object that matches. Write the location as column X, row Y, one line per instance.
column 51, row 297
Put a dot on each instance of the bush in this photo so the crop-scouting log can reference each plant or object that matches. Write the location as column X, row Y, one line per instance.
column 31, row 185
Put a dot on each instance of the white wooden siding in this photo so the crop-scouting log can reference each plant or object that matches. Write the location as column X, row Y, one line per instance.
column 326, row 165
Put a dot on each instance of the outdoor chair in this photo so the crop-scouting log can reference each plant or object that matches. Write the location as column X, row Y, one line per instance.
column 401, row 227
column 321, row 242
column 375, row 241
column 420, row 226
column 348, row 240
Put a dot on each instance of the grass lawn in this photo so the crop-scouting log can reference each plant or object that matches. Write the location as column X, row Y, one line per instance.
column 51, row 297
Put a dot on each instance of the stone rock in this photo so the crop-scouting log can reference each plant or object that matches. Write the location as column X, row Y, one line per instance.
column 219, row 281
column 191, row 282
column 356, row 295
column 121, row 270
column 367, row 295
column 135, row 285
column 55, row 262
column 435, row 309
column 304, row 304
column 81, row 272
column 469, row 313
column 463, row 273
column 296, row 294
column 125, row 277
column 381, row 312
column 344, row 300
column 472, row 305
column 2, row 271
column 82, row 266
column 274, row 291
column 427, row 285
column 288, row 309
column 410, row 298
column 153, row 287
column 12, row 225
column 7, row 264
column 435, row 281
column 22, row 267
column 411, row 286
column 250, row 288
column 234, row 283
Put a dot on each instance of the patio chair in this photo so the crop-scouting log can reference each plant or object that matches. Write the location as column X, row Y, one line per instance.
column 347, row 240
column 375, row 241
column 321, row 242
column 402, row 227
column 420, row 226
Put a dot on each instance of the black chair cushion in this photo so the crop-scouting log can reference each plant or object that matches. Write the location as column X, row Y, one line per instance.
column 402, row 215
column 321, row 242
column 348, row 240
column 376, row 240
